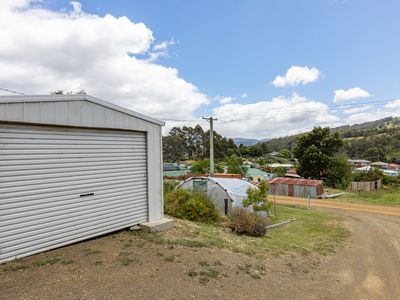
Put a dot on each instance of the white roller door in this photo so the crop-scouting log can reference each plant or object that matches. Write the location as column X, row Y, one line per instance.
column 61, row 185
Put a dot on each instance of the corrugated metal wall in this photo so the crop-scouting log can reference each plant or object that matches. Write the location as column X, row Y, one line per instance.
column 61, row 185
column 89, row 112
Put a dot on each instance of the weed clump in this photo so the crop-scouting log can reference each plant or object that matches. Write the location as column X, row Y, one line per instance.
column 245, row 222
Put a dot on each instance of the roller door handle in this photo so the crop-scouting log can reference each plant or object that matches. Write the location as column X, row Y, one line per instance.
column 86, row 195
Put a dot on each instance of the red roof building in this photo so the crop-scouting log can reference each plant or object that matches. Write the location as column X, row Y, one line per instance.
column 296, row 187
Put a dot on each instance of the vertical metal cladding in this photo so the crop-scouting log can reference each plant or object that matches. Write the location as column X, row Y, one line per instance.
column 60, row 185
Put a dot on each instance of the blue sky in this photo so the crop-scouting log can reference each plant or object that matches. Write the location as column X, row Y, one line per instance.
column 230, row 48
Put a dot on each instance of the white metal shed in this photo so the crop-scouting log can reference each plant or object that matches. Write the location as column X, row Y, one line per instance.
column 224, row 192
column 73, row 167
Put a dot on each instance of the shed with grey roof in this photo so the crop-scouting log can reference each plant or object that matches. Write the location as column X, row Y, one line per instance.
column 74, row 167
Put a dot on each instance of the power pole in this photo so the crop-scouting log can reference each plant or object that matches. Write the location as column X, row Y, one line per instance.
column 211, row 120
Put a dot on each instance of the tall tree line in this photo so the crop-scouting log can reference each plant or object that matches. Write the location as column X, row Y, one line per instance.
column 194, row 143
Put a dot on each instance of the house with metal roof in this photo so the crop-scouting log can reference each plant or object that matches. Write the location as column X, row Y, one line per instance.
column 296, row 187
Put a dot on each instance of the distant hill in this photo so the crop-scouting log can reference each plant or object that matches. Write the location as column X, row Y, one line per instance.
column 383, row 134
column 248, row 142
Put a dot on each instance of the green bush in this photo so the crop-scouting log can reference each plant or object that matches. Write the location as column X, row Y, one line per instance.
column 391, row 180
column 203, row 166
column 191, row 206
column 257, row 198
column 169, row 186
column 371, row 175
column 245, row 222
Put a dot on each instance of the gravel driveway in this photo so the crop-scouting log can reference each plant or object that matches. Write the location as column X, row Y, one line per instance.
column 123, row 266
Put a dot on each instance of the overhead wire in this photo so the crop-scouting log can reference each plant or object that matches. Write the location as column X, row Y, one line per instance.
column 11, row 91
column 235, row 117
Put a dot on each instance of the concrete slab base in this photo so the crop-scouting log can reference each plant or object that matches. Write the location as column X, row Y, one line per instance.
column 157, row 226
column 135, row 228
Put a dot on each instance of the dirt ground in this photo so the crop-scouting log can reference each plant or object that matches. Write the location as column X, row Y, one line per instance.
column 125, row 266
column 357, row 207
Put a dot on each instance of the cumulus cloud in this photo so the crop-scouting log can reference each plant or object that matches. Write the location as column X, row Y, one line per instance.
column 43, row 51
column 353, row 110
column 372, row 115
column 393, row 104
column 271, row 118
column 296, row 75
column 160, row 50
column 350, row 94
column 226, row 100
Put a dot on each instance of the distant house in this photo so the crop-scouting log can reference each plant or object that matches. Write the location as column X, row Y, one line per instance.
column 358, row 163
column 380, row 165
column 276, row 165
column 395, row 167
column 258, row 175
column 224, row 192
column 296, row 187
column 363, row 169
column 170, row 167
column 392, row 173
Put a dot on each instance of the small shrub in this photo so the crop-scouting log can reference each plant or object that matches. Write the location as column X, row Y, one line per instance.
column 245, row 222
column 191, row 206
column 169, row 186
column 371, row 175
column 257, row 198
column 391, row 180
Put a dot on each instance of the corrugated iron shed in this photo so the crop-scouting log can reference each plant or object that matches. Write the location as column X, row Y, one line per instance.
column 294, row 181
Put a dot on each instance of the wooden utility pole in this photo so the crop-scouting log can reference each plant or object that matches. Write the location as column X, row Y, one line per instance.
column 211, row 120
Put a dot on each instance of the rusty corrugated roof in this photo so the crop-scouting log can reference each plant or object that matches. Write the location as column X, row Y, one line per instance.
column 295, row 181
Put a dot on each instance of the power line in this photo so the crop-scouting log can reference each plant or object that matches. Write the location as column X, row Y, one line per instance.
column 285, row 111
column 11, row 91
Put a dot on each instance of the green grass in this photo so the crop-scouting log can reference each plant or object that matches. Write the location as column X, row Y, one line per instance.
column 387, row 196
column 14, row 268
column 47, row 261
column 89, row 251
column 313, row 231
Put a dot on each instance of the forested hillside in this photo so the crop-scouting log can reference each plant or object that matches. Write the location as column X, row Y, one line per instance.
column 377, row 140
column 374, row 140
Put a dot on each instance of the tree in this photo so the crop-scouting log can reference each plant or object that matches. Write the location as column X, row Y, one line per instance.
column 339, row 173
column 257, row 198
column 374, row 154
column 235, row 165
column 194, row 143
column 314, row 151
column 279, row 171
column 201, row 166
column 173, row 148
column 285, row 153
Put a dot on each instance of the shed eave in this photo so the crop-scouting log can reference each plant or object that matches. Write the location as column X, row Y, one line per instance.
column 78, row 97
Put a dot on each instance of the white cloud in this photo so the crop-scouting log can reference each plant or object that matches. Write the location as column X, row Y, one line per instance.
column 160, row 50
column 350, row 94
column 372, row 116
column 244, row 95
column 353, row 110
column 296, row 75
column 43, row 50
column 393, row 105
column 271, row 118
column 226, row 100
